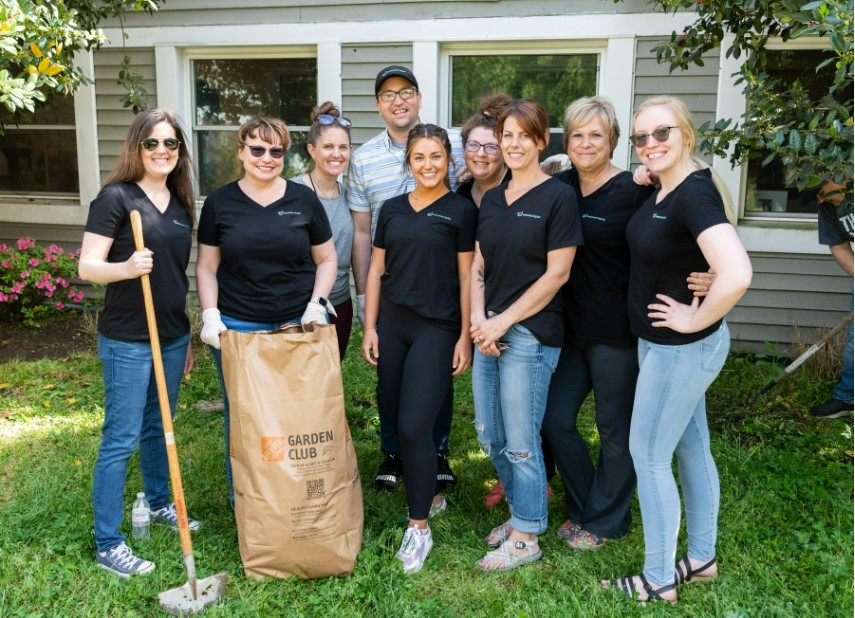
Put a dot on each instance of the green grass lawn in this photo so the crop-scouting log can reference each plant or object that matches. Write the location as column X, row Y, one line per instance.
column 786, row 524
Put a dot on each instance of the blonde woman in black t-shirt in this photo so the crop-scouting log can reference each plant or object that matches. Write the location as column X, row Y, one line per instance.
column 683, row 344
column 153, row 176
column 417, row 319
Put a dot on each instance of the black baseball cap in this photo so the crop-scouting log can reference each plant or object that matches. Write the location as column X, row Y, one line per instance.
column 393, row 71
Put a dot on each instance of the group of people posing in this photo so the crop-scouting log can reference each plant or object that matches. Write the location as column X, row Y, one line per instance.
column 550, row 287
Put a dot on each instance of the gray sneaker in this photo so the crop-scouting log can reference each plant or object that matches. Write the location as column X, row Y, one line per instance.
column 435, row 509
column 120, row 560
column 415, row 548
column 167, row 516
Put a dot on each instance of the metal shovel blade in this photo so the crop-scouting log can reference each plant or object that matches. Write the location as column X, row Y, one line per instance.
column 182, row 602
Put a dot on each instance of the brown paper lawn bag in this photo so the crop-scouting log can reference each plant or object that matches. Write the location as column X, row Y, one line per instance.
column 298, row 497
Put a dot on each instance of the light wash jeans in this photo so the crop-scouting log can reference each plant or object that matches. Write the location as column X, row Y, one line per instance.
column 670, row 416
column 241, row 326
column 131, row 419
column 843, row 390
column 510, row 399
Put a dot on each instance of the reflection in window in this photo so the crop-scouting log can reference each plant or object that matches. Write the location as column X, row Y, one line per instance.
column 555, row 80
column 41, row 155
column 765, row 193
column 229, row 92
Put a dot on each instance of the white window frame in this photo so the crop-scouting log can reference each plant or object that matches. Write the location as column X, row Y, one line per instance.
column 767, row 234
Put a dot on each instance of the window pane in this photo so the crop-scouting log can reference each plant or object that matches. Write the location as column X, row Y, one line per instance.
column 553, row 80
column 43, row 160
column 229, row 92
column 765, row 194
column 218, row 162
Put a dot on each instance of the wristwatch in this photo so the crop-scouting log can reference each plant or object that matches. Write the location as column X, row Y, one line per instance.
column 326, row 304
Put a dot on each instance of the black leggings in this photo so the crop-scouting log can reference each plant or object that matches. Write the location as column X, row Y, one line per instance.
column 414, row 370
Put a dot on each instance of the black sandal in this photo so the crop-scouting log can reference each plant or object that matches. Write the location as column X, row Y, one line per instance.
column 627, row 586
column 683, row 571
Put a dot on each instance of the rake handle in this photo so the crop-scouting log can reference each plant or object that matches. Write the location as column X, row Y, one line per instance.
column 165, row 412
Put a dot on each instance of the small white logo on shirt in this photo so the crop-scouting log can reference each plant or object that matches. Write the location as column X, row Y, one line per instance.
column 433, row 214
column 655, row 216
column 587, row 216
column 525, row 214
column 288, row 212
column 181, row 224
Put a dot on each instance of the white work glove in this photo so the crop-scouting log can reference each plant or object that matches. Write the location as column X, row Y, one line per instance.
column 315, row 312
column 212, row 326
column 360, row 308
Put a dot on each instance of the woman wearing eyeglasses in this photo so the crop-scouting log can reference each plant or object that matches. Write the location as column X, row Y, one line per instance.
column 154, row 177
column 528, row 231
column 418, row 282
column 266, row 254
column 481, row 150
column 682, row 345
column 328, row 144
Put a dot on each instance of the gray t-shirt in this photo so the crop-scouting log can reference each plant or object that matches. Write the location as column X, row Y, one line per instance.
column 341, row 224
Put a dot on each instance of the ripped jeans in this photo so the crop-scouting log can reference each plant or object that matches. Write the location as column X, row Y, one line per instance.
column 510, row 399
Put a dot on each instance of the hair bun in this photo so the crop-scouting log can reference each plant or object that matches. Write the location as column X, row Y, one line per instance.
column 327, row 107
column 493, row 105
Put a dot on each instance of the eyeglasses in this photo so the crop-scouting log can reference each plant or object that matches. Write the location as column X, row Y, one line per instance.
column 151, row 143
column 258, row 151
column 327, row 119
column 490, row 149
column 639, row 140
column 387, row 96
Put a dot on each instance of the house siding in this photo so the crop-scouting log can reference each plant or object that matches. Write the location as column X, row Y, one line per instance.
column 113, row 119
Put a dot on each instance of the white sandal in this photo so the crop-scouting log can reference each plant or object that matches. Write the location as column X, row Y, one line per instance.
column 510, row 560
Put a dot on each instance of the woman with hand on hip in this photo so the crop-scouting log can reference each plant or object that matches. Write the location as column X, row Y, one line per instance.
column 528, row 230
column 328, row 144
column 418, row 282
column 266, row 254
column 154, row 177
column 682, row 346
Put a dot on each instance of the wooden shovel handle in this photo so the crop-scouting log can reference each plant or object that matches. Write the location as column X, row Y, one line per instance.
column 163, row 397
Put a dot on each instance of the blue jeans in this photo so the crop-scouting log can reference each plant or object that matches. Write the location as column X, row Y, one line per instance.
column 669, row 416
column 510, row 399
column 843, row 391
column 131, row 419
column 241, row 326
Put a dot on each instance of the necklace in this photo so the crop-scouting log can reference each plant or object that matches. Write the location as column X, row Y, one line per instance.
column 318, row 193
column 428, row 199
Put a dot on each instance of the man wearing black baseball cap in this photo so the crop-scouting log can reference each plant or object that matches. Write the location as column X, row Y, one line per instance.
column 377, row 173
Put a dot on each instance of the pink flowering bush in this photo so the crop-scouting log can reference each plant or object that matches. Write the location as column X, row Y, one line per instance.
column 37, row 282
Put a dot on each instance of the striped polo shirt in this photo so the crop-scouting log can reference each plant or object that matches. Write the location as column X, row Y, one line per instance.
column 377, row 172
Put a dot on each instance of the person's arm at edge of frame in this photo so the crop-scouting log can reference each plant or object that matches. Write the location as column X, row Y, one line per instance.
column 842, row 254
column 370, row 339
column 361, row 256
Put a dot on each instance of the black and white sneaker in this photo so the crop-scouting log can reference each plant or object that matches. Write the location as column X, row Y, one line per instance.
column 444, row 475
column 120, row 560
column 833, row 408
column 390, row 473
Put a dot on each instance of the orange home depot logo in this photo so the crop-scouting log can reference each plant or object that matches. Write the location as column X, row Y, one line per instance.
column 272, row 449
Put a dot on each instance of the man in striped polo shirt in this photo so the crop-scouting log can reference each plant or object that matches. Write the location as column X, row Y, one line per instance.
column 378, row 172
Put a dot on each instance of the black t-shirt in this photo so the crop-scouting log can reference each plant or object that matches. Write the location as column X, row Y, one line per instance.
column 664, row 250
column 465, row 189
column 514, row 242
column 266, row 271
column 595, row 309
column 169, row 236
column 421, row 255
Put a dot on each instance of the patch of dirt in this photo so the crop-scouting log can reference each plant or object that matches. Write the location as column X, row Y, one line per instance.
column 59, row 338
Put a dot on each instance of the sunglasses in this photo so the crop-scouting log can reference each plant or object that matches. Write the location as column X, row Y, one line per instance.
column 277, row 152
column 151, row 143
column 327, row 119
column 639, row 140
column 387, row 96
column 490, row 149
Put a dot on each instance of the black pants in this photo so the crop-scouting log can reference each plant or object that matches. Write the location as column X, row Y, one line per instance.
column 414, row 371
column 598, row 499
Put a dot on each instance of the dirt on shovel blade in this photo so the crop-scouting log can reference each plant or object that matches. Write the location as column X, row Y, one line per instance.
column 180, row 602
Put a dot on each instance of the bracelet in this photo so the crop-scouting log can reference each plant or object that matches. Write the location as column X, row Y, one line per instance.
column 369, row 328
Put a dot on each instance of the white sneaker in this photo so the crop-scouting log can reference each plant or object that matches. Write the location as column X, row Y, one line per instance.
column 415, row 548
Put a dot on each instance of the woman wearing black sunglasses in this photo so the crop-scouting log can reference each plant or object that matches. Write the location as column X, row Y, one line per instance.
column 328, row 144
column 266, row 254
column 153, row 176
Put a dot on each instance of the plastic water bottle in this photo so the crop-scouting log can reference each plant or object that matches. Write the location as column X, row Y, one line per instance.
column 141, row 518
